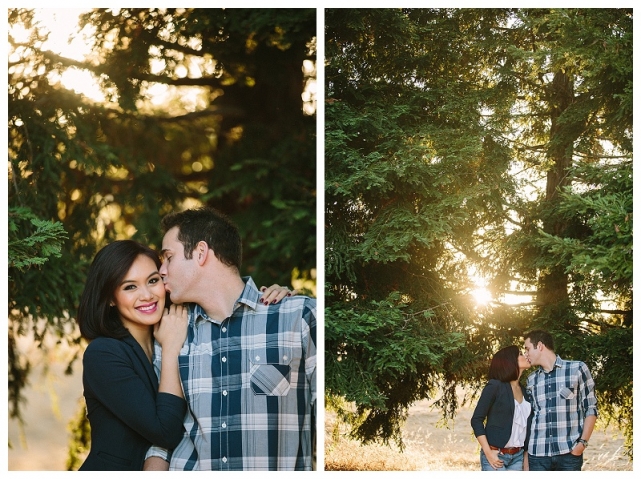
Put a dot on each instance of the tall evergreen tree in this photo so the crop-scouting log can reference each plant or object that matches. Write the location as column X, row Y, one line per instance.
column 485, row 141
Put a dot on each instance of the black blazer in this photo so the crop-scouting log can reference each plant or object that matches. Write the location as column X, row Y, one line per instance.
column 125, row 410
column 494, row 413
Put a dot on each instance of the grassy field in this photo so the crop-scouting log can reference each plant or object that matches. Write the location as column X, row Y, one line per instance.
column 429, row 447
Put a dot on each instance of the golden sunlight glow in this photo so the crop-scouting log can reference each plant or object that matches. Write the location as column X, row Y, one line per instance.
column 64, row 37
column 309, row 94
column 66, row 40
column 19, row 33
column 83, row 83
column 482, row 296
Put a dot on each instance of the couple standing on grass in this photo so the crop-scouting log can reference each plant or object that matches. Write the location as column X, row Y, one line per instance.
column 545, row 426
column 221, row 379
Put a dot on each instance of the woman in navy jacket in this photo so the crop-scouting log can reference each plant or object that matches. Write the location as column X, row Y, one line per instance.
column 128, row 407
column 502, row 415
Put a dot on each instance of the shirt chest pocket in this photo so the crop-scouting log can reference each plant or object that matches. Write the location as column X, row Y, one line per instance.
column 567, row 392
column 270, row 376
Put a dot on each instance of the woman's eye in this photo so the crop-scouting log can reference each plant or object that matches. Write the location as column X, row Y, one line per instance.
column 154, row 280
column 129, row 287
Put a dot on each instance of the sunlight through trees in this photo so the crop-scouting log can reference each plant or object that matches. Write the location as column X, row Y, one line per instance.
column 491, row 141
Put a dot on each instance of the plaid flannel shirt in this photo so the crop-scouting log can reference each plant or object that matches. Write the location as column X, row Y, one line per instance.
column 561, row 400
column 250, row 386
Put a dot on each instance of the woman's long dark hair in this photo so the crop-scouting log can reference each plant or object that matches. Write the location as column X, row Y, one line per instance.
column 95, row 315
column 505, row 364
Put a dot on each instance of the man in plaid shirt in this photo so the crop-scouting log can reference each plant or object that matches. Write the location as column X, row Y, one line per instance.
column 248, row 366
column 564, row 407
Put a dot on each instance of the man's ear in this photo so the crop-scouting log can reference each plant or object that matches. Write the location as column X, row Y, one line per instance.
column 201, row 251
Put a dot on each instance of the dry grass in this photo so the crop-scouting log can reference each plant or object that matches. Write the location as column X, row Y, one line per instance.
column 422, row 452
column 431, row 447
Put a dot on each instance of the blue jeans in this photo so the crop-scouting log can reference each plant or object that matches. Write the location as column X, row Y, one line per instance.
column 563, row 462
column 511, row 462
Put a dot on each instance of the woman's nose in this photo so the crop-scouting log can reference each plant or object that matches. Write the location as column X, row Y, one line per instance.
column 146, row 292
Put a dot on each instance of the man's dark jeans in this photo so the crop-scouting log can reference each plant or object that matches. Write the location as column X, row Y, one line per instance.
column 563, row 462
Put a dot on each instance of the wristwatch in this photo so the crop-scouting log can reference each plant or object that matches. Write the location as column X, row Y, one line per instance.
column 582, row 441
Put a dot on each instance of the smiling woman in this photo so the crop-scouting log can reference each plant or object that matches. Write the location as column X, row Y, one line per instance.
column 140, row 298
column 123, row 301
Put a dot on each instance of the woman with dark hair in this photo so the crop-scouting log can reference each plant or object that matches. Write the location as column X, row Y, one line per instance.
column 128, row 406
column 120, row 311
column 501, row 417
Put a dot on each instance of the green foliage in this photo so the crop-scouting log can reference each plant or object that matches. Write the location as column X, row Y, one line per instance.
column 602, row 255
column 380, row 347
column 487, row 142
column 35, row 247
column 80, row 439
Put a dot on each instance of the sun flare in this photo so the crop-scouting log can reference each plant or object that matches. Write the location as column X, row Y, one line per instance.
column 482, row 296
column 65, row 39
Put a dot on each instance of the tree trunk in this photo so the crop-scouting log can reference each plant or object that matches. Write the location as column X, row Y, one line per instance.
column 553, row 282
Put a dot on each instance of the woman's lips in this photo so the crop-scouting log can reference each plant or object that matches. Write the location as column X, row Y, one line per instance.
column 148, row 308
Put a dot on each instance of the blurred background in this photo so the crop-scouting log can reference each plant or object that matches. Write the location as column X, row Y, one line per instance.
column 117, row 117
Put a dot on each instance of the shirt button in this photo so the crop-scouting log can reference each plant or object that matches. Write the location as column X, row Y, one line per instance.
column 224, row 459
column 224, row 360
column 225, row 392
column 257, row 358
column 224, row 329
column 224, row 425
column 285, row 358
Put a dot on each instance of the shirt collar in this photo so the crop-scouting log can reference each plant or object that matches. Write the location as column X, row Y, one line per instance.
column 558, row 362
column 250, row 294
column 249, row 297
